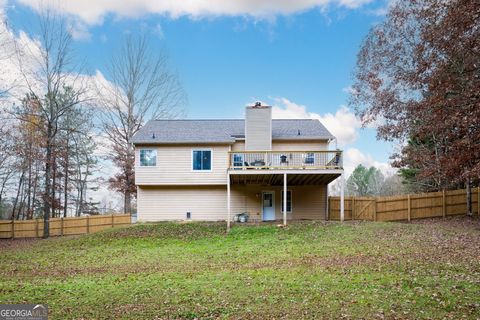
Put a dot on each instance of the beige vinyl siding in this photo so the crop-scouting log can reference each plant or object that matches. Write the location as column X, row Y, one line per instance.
column 258, row 128
column 308, row 202
column 277, row 145
column 210, row 202
column 172, row 203
column 174, row 166
column 238, row 146
column 318, row 145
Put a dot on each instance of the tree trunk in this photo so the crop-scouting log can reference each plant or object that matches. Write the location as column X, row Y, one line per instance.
column 34, row 192
column 48, row 169
column 21, row 211
column 54, row 182
column 65, row 195
column 1, row 189
column 18, row 195
column 65, row 182
column 80, row 201
column 127, row 208
column 469, row 198
column 29, row 189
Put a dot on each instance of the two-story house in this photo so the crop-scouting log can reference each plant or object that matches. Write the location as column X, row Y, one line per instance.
column 214, row 169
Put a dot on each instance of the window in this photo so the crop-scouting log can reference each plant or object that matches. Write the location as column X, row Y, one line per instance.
column 310, row 158
column 148, row 158
column 289, row 200
column 202, row 160
column 237, row 160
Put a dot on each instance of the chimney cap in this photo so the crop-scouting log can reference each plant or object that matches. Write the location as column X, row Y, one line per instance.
column 258, row 105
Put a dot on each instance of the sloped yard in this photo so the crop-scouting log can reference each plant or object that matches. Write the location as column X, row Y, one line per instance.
column 424, row 270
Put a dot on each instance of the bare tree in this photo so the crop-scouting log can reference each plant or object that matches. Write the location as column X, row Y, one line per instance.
column 54, row 85
column 142, row 87
column 7, row 170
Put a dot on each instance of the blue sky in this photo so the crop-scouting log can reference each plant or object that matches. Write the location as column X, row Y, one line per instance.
column 298, row 57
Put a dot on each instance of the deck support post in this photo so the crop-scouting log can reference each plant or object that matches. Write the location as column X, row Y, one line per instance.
column 228, row 202
column 284, row 199
column 342, row 197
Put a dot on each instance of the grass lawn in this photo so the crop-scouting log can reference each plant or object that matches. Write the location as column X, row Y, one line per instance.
column 424, row 270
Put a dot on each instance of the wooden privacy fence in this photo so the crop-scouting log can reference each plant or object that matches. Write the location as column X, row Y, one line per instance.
column 61, row 226
column 405, row 207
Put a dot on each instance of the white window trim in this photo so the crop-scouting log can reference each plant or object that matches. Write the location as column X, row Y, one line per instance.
column 211, row 159
column 140, row 157
column 291, row 200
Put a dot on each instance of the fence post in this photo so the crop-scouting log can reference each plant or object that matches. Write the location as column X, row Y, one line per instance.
column 13, row 228
column 444, row 204
column 375, row 209
column 327, row 210
column 409, row 207
column 88, row 224
column 113, row 223
column 353, row 207
column 61, row 226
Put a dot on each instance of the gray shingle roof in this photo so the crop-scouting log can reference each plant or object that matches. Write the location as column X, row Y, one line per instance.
column 224, row 131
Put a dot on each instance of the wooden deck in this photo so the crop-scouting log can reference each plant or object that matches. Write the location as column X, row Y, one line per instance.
column 285, row 160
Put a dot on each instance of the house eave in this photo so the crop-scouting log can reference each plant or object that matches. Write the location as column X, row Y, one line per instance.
column 155, row 143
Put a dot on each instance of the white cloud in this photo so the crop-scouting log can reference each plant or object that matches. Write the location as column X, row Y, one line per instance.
column 21, row 62
column 18, row 56
column 93, row 11
column 158, row 30
column 349, row 90
column 379, row 12
column 79, row 30
column 353, row 157
column 344, row 125
column 3, row 4
column 353, row 4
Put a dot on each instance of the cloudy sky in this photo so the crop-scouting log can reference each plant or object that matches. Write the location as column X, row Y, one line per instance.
column 297, row 56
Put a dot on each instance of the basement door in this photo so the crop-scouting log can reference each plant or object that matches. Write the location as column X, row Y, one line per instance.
column 268, row 205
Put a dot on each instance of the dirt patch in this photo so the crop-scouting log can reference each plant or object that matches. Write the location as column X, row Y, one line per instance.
column 20, row 243
column 462, row 221
column 14, row 244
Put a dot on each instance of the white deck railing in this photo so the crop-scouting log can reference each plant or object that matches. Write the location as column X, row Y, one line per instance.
column 243, row 160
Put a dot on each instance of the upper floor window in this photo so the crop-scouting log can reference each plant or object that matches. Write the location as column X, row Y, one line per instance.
column 237, row 160
column 202, row 160
column 309, row 158
column 148, row 157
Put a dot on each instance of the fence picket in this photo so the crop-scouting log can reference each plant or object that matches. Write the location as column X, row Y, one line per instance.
column 409, row 200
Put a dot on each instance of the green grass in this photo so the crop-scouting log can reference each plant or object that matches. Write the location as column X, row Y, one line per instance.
column 429, row 270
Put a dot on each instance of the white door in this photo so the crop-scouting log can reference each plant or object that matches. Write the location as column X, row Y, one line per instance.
column 268, row 206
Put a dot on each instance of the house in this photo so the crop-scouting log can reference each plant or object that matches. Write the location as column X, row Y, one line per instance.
column 215, row 169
